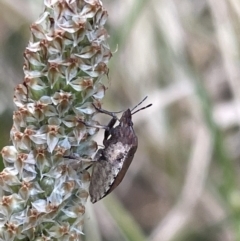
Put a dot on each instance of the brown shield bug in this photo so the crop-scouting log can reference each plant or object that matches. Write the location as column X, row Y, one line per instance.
column 112, row 162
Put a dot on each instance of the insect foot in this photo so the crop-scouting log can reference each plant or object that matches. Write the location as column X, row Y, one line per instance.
column 112, row 162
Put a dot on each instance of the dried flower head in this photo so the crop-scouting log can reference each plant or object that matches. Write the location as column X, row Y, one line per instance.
column 43, row 194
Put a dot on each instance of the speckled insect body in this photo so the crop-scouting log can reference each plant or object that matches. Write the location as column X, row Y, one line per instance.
column 112, row 162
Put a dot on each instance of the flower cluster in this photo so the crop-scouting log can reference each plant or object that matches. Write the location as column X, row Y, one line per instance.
column 43, row 193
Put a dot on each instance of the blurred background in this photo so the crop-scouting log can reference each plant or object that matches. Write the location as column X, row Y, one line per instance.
column 184, row 182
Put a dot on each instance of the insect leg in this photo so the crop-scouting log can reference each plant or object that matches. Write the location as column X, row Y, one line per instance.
column 94, row 126
column 79, row 163
column 111, row 123
column 112, row 114
column 98, row 155
column 108, row 130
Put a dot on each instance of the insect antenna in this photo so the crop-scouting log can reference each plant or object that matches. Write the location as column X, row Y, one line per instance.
column 139, row 104
column 145, row 107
